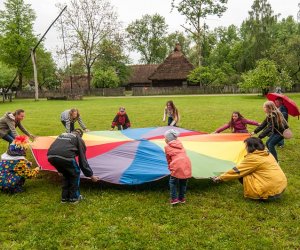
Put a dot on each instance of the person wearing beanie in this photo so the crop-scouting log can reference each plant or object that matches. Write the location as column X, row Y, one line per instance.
column 8, row 124
column 62, row 155
column 179, row 165
column 14, row 167
column 121, row 120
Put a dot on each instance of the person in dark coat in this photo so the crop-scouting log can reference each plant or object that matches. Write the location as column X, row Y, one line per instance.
column 62, row 155
column 284, row 111
column 121, row 120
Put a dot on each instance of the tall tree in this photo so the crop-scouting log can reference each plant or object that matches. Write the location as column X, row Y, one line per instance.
column 265, row 76
column 17, row 38
column 112, row 56
column 148, row 36
column 257, row 32
column 194, row 11
column 86, row 24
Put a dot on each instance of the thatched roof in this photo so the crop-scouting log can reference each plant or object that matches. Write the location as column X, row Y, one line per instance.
column 175, row 67
column 140, row 73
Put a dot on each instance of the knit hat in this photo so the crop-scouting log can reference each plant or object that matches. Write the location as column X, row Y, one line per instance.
column 171, row 135
column 78, row 131
column 18, row 146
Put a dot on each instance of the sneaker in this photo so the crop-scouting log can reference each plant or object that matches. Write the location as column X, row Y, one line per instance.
column 281, row 146
column 75, row 201
column 174, row 201
column 64, row 201
column 182, row 201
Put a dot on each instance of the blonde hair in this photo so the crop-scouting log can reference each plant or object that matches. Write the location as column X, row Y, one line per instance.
column 273, row 111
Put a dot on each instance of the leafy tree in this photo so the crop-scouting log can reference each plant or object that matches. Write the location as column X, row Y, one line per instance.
column 17, row 38
column 106, row 78
column 148, row 36
column 201, row 75
column 265, row 76
column 6, row 74
column 226, row 40
column 178, row 37
column 210, row 75
column 257, row 33
column 112, row 55
column 46, row 68
column 86, row 24
column 285, row 51
column 194, row 11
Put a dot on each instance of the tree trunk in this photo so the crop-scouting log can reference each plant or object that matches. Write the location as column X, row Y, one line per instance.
column 20, row 78
column 89, row 78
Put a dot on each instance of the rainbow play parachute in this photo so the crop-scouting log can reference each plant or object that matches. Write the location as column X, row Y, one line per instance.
column 136, row 156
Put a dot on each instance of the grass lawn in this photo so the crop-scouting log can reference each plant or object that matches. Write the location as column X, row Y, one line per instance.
column 216, row 216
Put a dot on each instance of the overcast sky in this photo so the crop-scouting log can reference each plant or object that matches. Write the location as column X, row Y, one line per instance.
column 130, row 10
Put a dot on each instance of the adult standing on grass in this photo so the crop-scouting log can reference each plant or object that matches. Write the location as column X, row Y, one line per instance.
column 68, row 119
column 284, row 111
column 273, row 125
column 8, row 124
column 171, row 112
column 62, row 155
column 259, row 173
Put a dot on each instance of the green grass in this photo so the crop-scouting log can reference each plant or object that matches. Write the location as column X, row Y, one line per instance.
column 216, row 216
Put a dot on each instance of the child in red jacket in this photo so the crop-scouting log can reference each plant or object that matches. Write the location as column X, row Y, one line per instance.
column 121, row 120
column 179, row 165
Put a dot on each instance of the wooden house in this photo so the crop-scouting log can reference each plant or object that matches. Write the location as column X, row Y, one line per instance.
column 173, row 71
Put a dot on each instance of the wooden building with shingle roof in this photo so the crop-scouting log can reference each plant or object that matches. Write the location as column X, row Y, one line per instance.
column 173, row 71
column 139, row 75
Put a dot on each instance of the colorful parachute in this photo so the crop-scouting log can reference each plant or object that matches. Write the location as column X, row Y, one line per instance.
column 135, row 156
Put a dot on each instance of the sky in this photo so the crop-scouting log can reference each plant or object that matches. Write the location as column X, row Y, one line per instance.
column 130, row 10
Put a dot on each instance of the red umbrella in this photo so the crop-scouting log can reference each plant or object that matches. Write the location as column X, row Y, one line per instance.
column 291, row 106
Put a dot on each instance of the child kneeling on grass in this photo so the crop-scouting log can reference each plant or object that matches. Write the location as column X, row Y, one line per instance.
column 179, row 165
column 14, row 167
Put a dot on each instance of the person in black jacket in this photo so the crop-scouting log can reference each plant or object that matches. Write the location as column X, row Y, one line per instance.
column 121, row 120
column 61, row 155
column 284, row 111
column 273, row 125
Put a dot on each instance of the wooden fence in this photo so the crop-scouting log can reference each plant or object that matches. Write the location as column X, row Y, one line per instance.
column 144, row 91
column 194, row 90
column 52, row 94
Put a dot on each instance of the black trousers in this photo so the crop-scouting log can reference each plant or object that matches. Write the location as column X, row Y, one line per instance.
column 71, row 173
column 72, row 125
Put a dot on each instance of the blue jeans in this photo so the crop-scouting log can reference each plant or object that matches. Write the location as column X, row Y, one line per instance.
column 273, row 140
column 181, row 183
column 71, row 173
column 9, row 137
column 281, row 143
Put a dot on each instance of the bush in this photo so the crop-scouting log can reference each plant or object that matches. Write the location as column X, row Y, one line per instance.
column 106, row 78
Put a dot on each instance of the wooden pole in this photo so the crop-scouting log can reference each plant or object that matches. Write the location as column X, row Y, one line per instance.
column 24, row 63
column 36, row 84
